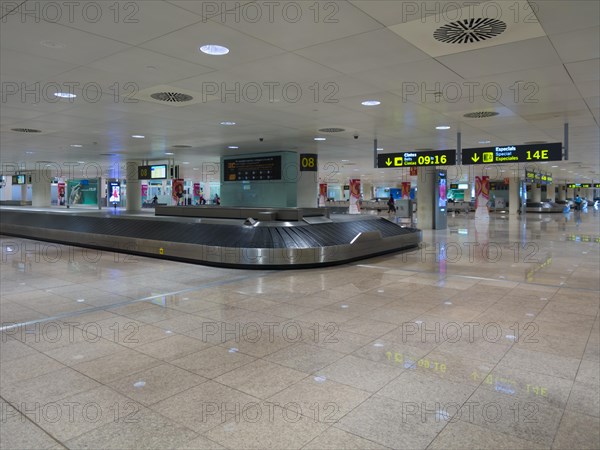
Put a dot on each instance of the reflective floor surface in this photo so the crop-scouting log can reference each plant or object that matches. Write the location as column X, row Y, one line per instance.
column 485, row 337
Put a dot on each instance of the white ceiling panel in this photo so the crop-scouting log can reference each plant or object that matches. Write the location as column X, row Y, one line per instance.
column 375, row 50
column 503, row 58
column 562, row 16
column 294, row 25
column 128, row 22
column 584, row 71
column 184, row 44
column 578, row 45
column 58, row 42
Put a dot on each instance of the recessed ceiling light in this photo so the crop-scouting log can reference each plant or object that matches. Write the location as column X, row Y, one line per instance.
column 185, row 162
column 484, row 142
column 371, row 103
column 196, row 168
column 563, row 169
column 442, row 127
column 76, row 145
column 233, row 147
column 64, row 95
column 215, row 50
column 80, row 162
column 29, row 153
column 138, row 136
column 379, row 149
column 345, row 160
column 169, row 153
column 53, row 44
column 320, row 139
column 228, row 123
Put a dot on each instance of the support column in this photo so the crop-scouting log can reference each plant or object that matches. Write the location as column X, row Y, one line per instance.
column 562, row 194
column 23, row 193
column 535, row 195
column 40, row 190
column 425, row 198
column 134, row 187
column 513, row 196
column 307, row 190
column 550, row 195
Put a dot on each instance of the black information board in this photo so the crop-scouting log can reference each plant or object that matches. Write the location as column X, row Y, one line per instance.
column 512, row 154
column 416, row 159
column 252, row 169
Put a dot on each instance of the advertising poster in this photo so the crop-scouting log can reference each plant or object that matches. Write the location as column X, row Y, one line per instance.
column 177, row 191
column 114, row 191
column 354, row 197
column 443, row 192
column 62, row 187
column 482, row 196
column 82, row 192
column 144, row 191
column 322, row 194
column 405, row 190
column 413, row 172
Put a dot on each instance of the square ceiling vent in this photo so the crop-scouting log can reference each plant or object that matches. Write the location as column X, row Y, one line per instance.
column 474, row 27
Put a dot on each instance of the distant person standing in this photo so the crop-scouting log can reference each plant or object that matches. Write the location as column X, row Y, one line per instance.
column 578, row 203
column 217, row 200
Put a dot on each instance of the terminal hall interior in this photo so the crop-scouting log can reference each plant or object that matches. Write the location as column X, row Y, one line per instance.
column 362, row 224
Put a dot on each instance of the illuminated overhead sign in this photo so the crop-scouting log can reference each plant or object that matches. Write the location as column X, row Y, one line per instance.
column 417, row 159
column 512, row 154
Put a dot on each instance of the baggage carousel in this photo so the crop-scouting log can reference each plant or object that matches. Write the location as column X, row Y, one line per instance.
column 310, row 241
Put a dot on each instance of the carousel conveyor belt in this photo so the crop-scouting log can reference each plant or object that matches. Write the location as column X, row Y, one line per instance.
column 222, row 244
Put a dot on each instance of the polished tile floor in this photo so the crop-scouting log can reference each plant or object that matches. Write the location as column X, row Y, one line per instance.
column 486, row 337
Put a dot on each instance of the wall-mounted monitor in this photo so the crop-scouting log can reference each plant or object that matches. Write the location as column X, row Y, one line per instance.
column 463, row 186
column 18, row 179
column 158, row 172
column 154, row 172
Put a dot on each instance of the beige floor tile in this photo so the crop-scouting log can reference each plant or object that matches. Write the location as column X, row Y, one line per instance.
column 210, row 404
column 11, row 349
column 19, row 433
column 172, row 347
column 391, row 424
column 47, row 388
column 201, row 443
column 515, row 415
column 116, row 365
column 322, row 400
column 589, row 373
column 280, row 430
column 155, row 384
column 212, row 362
column 305, row 358
column 261, row 379
column 149, row 431
column 557, row 366
column 27, row 367
column 336, row 439
column 83, row 412
column 577, row 431
column 84, row 351
column 585, row 399
column 422, row 389
column 360, row 373
column 461, row 435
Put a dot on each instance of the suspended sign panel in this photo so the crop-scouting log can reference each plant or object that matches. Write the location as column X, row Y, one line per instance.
column 512, row 154
column 417, row 159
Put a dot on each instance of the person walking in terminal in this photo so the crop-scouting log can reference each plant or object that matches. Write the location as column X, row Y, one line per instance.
column 391, row 204
column 578, row 202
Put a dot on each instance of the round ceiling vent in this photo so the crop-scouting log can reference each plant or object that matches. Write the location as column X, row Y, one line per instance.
column 26, row 130
column 331, row 130
column 468, row 31
column 172, row 97
column 480, row 114
column 182, row 146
